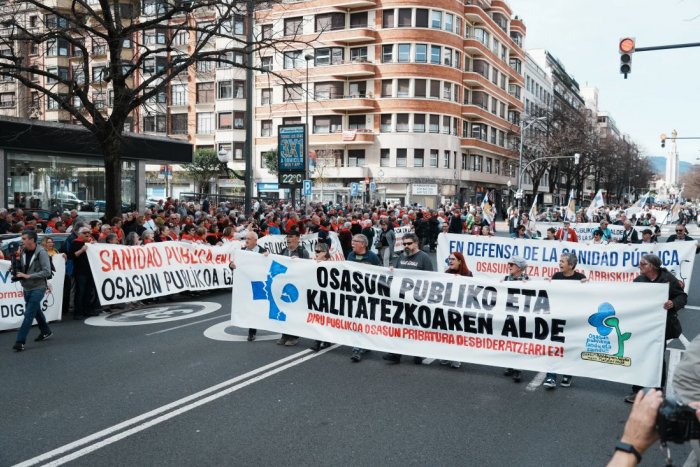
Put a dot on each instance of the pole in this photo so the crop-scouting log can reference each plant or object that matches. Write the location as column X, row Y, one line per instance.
column 248, row 200
column 306, row 136
column 520, row 166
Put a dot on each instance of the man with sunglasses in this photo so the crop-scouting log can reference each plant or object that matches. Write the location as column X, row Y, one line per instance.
column 681, row 235
column 411, row 258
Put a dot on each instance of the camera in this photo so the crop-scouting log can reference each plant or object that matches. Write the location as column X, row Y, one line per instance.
column 14, row 253
column 677, row 422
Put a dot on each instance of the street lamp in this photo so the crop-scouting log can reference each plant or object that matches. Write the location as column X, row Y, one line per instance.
column 224, row 157
column 524, row 127
column 307, row 174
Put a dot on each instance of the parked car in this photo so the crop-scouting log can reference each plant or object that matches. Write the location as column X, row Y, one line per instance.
column 101, row 206
column 67, row 200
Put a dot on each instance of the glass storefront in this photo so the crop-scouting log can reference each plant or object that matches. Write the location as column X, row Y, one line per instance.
column 44, row 181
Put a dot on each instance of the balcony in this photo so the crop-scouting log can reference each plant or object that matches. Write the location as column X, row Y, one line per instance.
column 344, row 103
column 475, row 111
column 349, row 69
column 346, row 137
column 349, row 36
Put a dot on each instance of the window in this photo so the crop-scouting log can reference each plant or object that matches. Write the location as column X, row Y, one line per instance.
column 356, row 158
column 387, row 53
column 239, row 25
column 388, row 18
column 204, row 66
column 224, row 121
column 53, row 22
column 404, row 53
column 7, row 99
column 497, row 167
column 384, row 158
column 387, row 88
column 328, row 90
column 405, row 17
column 418, row 157
column 478, row 131
column 205, row 93
column 153, row 7
column 224, row 89
column 385, row 123
column 239, row 120
column 293, row 59
column 99, row 73
column 447, row 56
column 266, row 128
column 445, row 124
column 421, row 18
column 465, row 162
column 358, row 54
column 489, row 165
column 402, row 88
column 435, row 89
column 447, row 90
column 421, row 53
column 291, row 120
column 238, row 89
column 266, row 64
column 78, row 73
column 357, row 122
column 57, row 48
column 178, row 124
column 99, row 99
column 328, row 124
column 419, row 123
column 435, row 54
column 329, row 56
column 436, row 21
column 155, row 65
column 154, row 123
column 266, row 96
column 477, row 162
column 292, row 92
column 51, row 104
column 358, row 20
column 181, row 38
column 458, row 26
column 446, row 159
column 330, row 22
column 419, row 88
column 205, row 123
column 178, row 94
column 434, row 124
column 266, row 31
column 402, row 123
column 433, row 158
column 449, row 18
column 293, row 26
column 401, row 157
column 238, row 150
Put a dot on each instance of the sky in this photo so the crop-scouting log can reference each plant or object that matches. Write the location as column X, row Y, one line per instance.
column 663, row 91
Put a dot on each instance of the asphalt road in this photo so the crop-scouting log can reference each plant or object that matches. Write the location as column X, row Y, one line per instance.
column 173, row 384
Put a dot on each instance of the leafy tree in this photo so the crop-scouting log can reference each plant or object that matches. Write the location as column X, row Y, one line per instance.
column 270, row 161
column 203, row 168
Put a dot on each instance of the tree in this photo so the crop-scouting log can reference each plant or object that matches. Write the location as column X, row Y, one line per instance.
column 270, row 160
column 203, row 168
column 134, row 50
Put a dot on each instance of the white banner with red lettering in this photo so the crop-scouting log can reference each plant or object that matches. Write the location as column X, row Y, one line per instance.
column 123, row 273
column 592, row 330
column 276, row 243
column 584, row 230
column 12, row 299
column 489, row 256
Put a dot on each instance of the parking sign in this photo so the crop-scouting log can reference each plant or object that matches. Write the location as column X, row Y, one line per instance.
column 354, row 189
column 307, row 187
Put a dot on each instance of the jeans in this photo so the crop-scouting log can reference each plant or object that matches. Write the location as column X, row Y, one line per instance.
column 32, row 310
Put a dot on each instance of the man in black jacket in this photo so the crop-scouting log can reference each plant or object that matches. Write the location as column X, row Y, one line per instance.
column 651, row 271
column 629, row 235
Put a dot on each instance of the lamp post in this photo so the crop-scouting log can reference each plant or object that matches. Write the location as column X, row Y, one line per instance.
column 224, row 157
column 307, row 174
column 523, row 127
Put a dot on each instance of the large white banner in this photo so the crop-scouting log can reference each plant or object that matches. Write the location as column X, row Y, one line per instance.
column 126, row 273
column 592, row 330
column 12, row 299
column 276, row 243
column 489, row 256
column 584, row 230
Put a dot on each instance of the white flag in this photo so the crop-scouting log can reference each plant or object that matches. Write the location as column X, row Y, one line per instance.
column 598, row 202
column 487, row 209
column 571, row 207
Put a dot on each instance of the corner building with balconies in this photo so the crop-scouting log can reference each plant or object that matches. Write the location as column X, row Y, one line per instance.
column 422, row 98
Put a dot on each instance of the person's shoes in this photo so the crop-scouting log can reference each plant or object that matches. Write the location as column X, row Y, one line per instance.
column 325, row 345
column 516, row 376
column 566, row 381
column 251, row 337
column 281, row 340
column 418, row 360
column 393, row 359
column 629, row 398
column 550, row 383
column 18, row 347
column 509, row 372
column 292, row 342
column 43, row 337
column 455, row 364
column 444, row 362
column 356, row 356
column 316, row 347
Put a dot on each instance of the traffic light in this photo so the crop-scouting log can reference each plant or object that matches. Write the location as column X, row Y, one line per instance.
column 577, row 156
column 626, row 51
column 663, row 140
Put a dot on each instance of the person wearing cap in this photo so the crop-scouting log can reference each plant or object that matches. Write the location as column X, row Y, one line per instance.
column 566, row 233
column 651, row 271
column 517, row 267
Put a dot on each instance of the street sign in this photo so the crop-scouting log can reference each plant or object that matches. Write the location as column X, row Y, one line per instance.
column 291, row 159
column 372, row 187
column 354, row 189
column 307, row 187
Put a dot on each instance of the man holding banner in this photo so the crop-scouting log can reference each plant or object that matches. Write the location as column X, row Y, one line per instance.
column 294, row 249
column 251, row 244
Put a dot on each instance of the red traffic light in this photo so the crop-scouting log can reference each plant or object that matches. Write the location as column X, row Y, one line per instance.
column 627, row 45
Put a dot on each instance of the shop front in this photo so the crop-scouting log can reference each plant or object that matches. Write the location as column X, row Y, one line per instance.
column 60, row 167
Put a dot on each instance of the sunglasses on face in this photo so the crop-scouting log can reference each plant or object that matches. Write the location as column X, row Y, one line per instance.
column 407, row 243
column 319, row 251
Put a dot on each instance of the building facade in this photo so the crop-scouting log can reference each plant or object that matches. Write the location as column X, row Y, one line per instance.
column 420, row 98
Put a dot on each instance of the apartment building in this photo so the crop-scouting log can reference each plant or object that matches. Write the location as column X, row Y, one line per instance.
column 423, row 99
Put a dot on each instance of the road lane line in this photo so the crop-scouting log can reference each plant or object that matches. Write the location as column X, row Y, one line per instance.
column 184, row 409
column 692, row 307
column 189, row 324
column 132, row 421
column 536, row 382
column 674, row 357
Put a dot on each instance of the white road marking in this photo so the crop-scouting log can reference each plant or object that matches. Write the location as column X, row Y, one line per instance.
column 692, row 307
column 428, row 361
column 271, row 368
column 674, row 356
column 227, row 315
column 536, row 382
column 218, row 332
